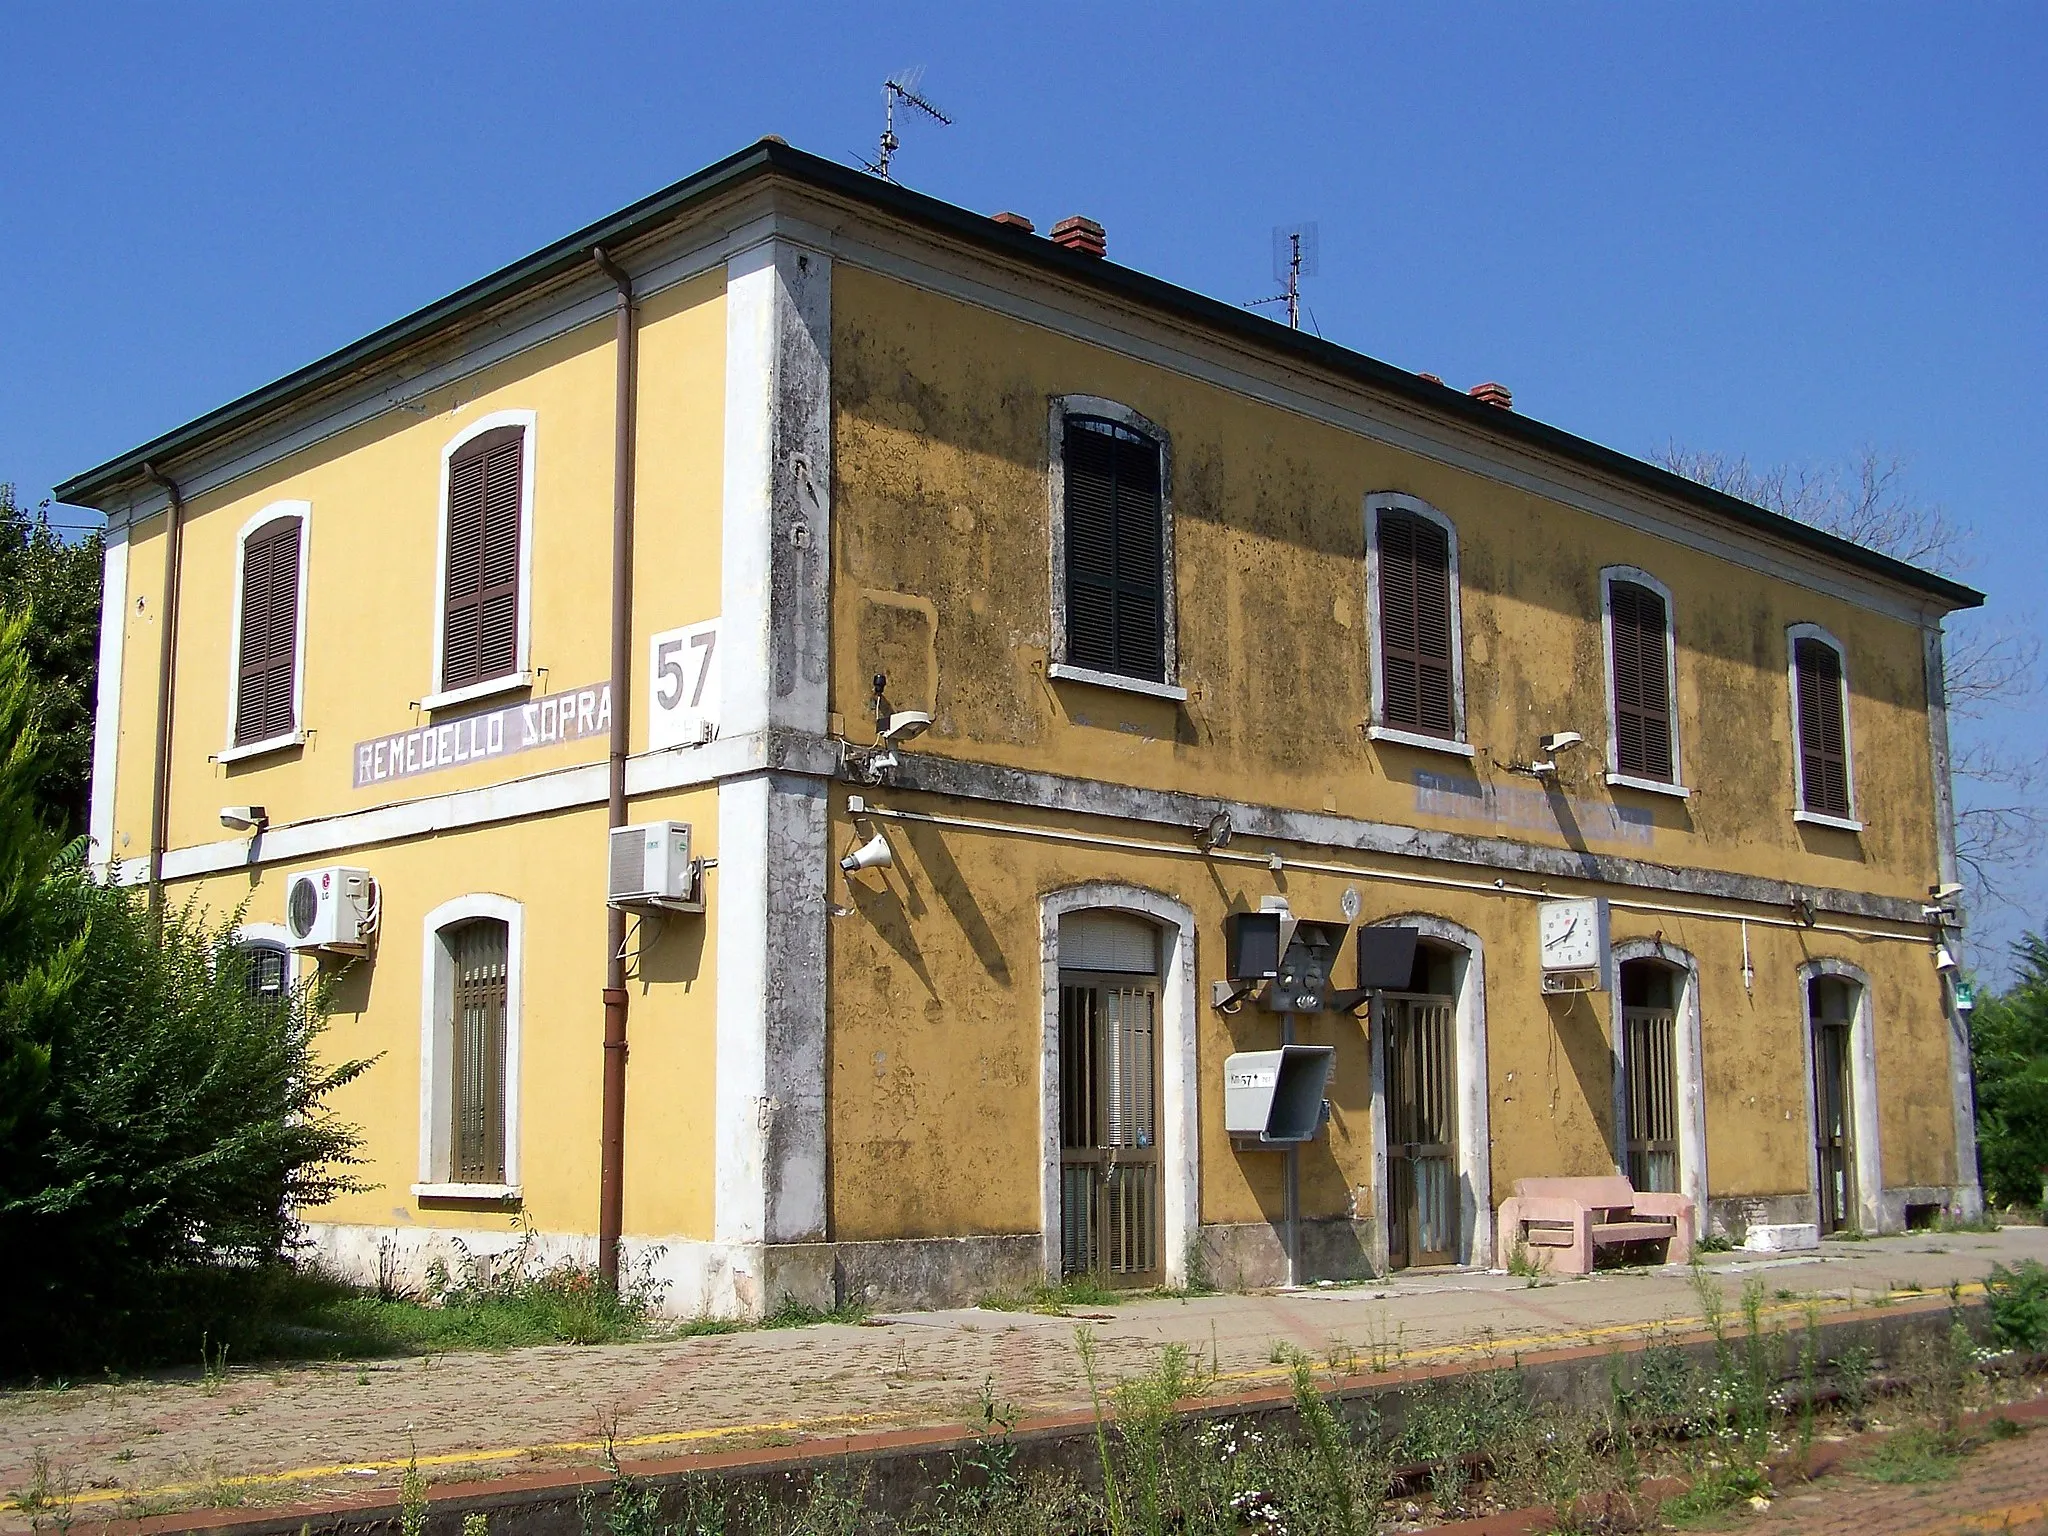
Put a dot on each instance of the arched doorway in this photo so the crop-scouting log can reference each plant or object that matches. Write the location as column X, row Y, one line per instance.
column 1117, row 1083
column 1841, row 1097
column 1432, row 1148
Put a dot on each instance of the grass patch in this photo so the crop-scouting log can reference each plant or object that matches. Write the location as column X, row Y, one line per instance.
column 1916, row 1455
column 791, row 1313
column 1058, row 1300
column 1717, row 1489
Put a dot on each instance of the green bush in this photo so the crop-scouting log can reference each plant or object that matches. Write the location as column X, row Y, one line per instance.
column 2009, row 1050
column 160, row 1121
column 2018, row 1299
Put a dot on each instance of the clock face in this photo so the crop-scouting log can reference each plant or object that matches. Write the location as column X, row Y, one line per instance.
column 1572, row 934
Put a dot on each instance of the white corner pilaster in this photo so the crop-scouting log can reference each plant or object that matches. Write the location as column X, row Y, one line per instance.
column 106, row 725
column 1962, row 1084
column 772, row 836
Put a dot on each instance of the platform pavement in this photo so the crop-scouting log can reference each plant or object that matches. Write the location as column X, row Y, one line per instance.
column 287, row 1433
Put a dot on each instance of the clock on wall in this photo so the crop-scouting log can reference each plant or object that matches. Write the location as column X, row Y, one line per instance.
column 1572, row 938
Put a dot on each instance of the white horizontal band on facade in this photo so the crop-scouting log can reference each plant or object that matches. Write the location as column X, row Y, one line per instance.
column 1497, row 887
column 561, row 789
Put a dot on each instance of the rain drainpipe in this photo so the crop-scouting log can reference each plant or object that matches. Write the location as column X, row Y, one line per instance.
column 167, row 640
column 611, row 1178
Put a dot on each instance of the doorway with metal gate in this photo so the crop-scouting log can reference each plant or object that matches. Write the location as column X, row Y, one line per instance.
column 1649, row 1065
column 1419, row 1082
column 1831, row 1003
column 1110, row 1206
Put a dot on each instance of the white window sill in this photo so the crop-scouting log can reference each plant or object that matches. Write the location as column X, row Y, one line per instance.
column 1420, row 742
column 489, row 688
column 505, row 1192
column 1649, row 786
column 1072, row 674
column 260, row 748
column 1816, row 819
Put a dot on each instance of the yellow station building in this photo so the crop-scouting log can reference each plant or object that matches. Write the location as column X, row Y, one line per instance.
column 1178, row 614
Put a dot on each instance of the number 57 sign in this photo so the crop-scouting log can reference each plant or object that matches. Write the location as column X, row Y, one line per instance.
column 682, row 686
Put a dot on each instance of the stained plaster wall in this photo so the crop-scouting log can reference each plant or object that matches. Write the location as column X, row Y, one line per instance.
column 942, row 573
column 937, row 1029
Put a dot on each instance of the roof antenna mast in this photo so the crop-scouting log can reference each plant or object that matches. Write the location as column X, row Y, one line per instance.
column 901, row 86
column 1297, row 253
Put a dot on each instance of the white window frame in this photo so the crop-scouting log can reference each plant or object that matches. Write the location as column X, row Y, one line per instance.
column 296, row 736
column 521, row 676
column 1636, row 576
column 1457, row 743
column 1851, row 823
column 437, row 1045
column 1063, row 406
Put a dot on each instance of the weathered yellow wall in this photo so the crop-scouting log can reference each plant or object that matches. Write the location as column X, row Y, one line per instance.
column 371, row 600
column 370, row 614
column 938, row 1029
column 942, row 569
column 554, row 866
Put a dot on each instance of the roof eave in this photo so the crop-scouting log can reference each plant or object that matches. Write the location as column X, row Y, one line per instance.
column 772, row 155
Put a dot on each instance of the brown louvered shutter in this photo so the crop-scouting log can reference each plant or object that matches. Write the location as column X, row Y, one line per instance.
column 267, row 667
column 1415, row 625
column 480, row 634
column 1116, row 550
column 1823, row 738
column 1642, row 691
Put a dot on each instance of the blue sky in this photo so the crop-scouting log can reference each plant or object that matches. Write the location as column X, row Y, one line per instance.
column 1787, row 233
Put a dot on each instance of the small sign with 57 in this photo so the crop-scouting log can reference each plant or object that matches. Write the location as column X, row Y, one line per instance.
column 682, row 686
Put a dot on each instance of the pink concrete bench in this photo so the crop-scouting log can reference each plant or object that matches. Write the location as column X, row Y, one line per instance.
column 1560, row 1223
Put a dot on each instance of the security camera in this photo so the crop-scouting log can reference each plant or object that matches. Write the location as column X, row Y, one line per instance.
column 1215, row 834
column 244, row 818
column 905, row 724
column 875, row 853
column 1559, row 741
column 1945, row 893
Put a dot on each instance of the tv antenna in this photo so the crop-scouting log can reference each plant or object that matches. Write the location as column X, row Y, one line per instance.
column 1297, row 253
column 901, row 86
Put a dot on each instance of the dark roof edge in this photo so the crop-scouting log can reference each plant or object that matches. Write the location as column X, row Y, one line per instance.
column 917, row 207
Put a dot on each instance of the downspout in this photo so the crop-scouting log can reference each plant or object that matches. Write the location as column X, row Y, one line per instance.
column 611, row 1178
column 160, row 768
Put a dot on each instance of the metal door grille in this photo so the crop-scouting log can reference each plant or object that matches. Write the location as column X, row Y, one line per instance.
column 477, row 954
column 1422, row 1133
column 1834, row 1129
column 1650, row 1053
column 1109, row 1130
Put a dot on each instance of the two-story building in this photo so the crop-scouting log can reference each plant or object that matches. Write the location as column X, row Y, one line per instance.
column 1206, row 615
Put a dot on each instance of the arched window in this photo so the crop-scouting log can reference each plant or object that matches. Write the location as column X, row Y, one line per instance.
column 1642, row 679
column 1113, row 619
column 1412, row 609
column 264, row 705
column 485, row 601
column 470, row 1046
column 1824, row 763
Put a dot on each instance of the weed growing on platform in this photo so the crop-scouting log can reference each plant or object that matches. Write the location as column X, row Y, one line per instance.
column 791, row 1313
column 2018, row 1302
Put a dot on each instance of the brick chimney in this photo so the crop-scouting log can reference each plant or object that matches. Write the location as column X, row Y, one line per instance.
column 1079, row 234
column 1014, row 220
column 1429, row 378
column 1493, row 394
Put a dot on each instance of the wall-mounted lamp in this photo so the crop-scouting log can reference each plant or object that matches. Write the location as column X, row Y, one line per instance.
column 244, row 818
column 1551, row 746
column 1216, row 834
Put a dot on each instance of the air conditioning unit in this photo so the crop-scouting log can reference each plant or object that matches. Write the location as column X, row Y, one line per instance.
column 333, row 908
column 650, row 867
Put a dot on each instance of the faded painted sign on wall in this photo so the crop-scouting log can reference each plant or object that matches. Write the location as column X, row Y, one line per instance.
column 568, row 716
column 1531, row 810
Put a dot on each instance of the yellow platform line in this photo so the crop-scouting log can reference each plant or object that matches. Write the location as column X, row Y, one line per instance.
column 1562, row 1338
